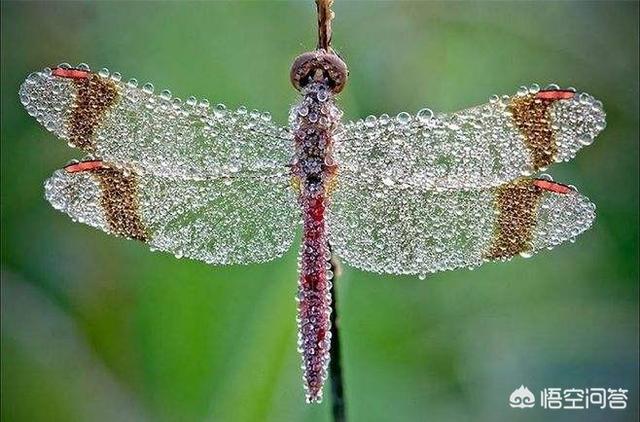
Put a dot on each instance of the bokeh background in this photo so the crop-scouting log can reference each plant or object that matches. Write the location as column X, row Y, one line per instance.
column 96, row 328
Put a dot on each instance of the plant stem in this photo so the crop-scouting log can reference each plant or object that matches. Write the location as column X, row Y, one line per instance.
column 335, row 367
column 325, row 15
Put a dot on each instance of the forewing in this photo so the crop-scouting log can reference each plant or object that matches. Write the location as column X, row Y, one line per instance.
column 123, row 124
column 220, row 221
column 412, row 231
column 483, row 146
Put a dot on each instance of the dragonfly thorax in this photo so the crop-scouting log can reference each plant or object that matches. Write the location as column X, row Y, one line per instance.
column 319, row 66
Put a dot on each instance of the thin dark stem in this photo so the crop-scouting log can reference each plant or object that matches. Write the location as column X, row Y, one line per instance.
column 325, row 15
column 335, row 368
column 338, row 408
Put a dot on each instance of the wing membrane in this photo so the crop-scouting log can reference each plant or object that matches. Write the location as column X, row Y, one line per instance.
column 483, row 146
column 130, row 126
column 411, row 231
column 220, row 221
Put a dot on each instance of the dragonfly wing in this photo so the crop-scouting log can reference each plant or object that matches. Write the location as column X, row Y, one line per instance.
column 220, row 221
column 483, row 146
column 410, row 231
column 129, row 126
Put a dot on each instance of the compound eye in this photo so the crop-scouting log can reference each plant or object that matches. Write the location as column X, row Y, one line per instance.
column 319, row 64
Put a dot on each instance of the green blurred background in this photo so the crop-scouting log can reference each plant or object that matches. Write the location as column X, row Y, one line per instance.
column 96, row 328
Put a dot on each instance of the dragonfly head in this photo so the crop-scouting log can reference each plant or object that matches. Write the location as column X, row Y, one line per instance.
column 319, row 66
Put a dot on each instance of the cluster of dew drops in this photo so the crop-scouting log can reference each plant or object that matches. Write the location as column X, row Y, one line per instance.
column 49, row 112
column 470, row 148
column 266, row 209
column 424, row 115
column 561, row 217
column 427, row 232
column 188, row 138
column 219, row 109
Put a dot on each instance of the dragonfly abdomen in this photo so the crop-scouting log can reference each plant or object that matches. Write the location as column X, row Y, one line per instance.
column 315, row 170
column 314, row 299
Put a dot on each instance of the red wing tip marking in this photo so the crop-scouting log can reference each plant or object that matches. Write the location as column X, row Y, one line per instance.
column 555, row 95
column 84, row 166
column 552, row 186
column 70, row 73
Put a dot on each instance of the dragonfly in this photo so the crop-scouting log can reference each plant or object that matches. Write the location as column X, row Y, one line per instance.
column 410, row 194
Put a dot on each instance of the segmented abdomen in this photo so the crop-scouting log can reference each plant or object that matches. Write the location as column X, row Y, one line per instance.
column 314, row 120
column 314, row 306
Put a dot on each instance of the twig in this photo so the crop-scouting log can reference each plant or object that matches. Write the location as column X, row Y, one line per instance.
column 338, row 408
column 325, row 15
column 335, row 368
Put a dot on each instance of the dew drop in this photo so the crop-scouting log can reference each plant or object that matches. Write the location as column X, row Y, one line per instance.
column 387, row 181
column 24, row 99
column 403, row 118
column 322, row 95
column 526, row 254
column 424, row 115
column 219, row 110
column 370, row 121
column 584, row 98
column 165, row 94
column 586, row 140
column 148, row 88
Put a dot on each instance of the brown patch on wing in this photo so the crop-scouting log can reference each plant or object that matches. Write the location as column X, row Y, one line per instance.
column 120, row 202
column 94, row 96
column 517, row 205
column 531, row 116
